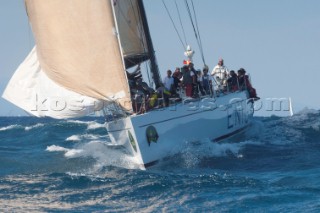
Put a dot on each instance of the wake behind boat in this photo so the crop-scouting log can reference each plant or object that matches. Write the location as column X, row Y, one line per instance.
column 80, row 66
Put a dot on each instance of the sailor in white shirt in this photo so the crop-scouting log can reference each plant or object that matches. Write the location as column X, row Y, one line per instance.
column 220, row 72
column 168, row 81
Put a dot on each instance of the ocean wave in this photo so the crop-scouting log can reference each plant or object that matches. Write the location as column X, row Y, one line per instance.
column 10, row 127
column 78, row 121
column 74, row 138
column 69, row 153
column 283, row 130
column 108, row 156
column 34, row 126
column 91, row 125
column 104, row 154
column 306, row 119
column 73, row 153
column 95, row 125
column 316, row 126
column 55, row 148
column 193, row 153
column 87, row 137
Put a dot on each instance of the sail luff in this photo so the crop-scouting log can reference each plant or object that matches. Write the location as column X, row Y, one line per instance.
column 119, row 43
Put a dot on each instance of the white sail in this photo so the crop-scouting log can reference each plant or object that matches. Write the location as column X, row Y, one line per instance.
column 31, row 90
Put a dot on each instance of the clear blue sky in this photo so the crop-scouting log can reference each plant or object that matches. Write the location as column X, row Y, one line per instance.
column 276, row 41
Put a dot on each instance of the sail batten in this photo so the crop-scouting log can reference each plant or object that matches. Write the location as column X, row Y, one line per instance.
column 77, row 47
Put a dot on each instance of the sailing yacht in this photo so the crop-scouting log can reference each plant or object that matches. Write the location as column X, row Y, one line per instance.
column 79, row 66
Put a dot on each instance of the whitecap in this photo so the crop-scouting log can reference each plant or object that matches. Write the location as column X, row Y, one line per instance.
column 34, row 126
column 74, row 138
column 95, row 125
column 105, row 155
column 73, row 153
column 15, row 126
column 78, row 122
column 87, row 137
column 55, row 148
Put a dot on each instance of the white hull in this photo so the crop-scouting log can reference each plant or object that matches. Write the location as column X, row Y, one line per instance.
column 173, row 126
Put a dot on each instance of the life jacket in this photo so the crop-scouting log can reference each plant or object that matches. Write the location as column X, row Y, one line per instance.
column 153, row 99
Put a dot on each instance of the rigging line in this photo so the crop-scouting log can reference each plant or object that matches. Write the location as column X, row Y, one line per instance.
column 184, row 34
column 173, row 24
column 195, row 16
column 152, row 60
column 194, row 29
column 138, row 20
column 191, row 20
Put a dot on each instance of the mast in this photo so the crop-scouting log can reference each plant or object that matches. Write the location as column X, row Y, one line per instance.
column 153, row 61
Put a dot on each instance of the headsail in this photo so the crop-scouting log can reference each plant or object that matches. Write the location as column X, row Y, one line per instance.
column 84, row 47
column 32, row 90
column 77, row 46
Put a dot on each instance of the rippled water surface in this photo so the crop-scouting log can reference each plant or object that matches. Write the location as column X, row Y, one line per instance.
column 67, row 166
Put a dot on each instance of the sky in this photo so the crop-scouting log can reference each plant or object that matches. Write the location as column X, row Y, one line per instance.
column 276, row 41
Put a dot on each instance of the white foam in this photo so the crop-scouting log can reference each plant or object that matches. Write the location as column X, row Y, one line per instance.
column 107, row 156
column 74, row 138
column 15, row 126
column 95, row 125
column 73, row 153
column 78, row 122
column 34, row 126
column 102, row 153
column 193, row 153
column 90, row 124
column 55, row 148
column 87, row 137
column 225, row 149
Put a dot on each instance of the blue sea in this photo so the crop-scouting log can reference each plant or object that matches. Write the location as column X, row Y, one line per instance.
column 49, row 165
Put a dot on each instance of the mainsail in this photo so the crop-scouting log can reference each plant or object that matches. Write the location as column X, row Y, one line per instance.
column 82, row 47
column 135, row 37
column 131, row 32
